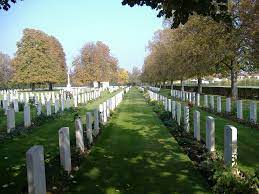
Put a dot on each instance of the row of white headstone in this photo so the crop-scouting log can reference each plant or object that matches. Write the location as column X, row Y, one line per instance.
column 155, row 89
column 35, row 155
column 43, row 98
column 209, row 102
column 58, row 106
column 230, row 132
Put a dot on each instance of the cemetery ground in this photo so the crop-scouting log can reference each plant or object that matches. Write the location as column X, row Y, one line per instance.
column 12, row 152
column 248, row 144
column 137, row 154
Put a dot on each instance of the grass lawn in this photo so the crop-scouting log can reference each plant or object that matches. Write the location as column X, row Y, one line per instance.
column 248, row 144
column 19, row 118
column 136, row 154
column 12, row 152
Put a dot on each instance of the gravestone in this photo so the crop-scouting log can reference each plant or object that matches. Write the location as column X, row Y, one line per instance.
column 101, row 112
column 230, row 145
column 75, row 101
column 206, row 101
column 62, row 104
column 210, row 133
column 16, row 105
column 169, row 105
column 239, row 109
column 10, row 120
column 104, row 112
column 197, row 99
column 39, row 109
column 64, row 148
column 212, row 102
column 89, row 130
column 27, row 115
column 166, row 104
column 108, row 112
column 48, row 108
column 186, row 119
column 36, row 170
column 173, row 109
column 178, row 114
column 96, row 122
column 196, row 125
column 79, row 135
column 253, row 112
column 219, row 104
column 228, row 105
column 56, row 106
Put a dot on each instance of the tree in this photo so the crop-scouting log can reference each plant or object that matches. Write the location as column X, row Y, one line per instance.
column 134, row 76
column 5, row 4
column 5, row 70
column 123, row 76
column 181, row 10
column 95, row 63
column 39, row 59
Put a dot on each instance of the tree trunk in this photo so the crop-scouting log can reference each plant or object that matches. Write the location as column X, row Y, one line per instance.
column 50, row 86
column 234, row 91
column 182, row 86
column 199, row 85
column 33, row 86
column 172, row 84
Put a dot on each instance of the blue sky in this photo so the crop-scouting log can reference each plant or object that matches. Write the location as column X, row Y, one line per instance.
column 126, row 30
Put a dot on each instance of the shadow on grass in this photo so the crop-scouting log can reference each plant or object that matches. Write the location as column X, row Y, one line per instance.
column 136, row 154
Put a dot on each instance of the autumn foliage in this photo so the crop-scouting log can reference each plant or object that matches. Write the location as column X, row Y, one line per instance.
column 94, row 63
column 39, row 59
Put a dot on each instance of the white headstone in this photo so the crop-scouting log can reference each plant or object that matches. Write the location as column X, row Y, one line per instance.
column 96, row 122
column 56, row 106
column 178, row 113
column 219, row 104
column 239, row 109
column 89, row 131
column 16, row 105
column 36, row 170
column 230, row 145
column 48, row 108
column 27, row 115
column 196, row 125
column 169, row 105
column 205, row 101
column 104, row 112
column 210, row 133
column 212, row 102
column 101, row 112
column 173, row 109
column 79, row 135
column 62, row 104
column 253, row 112
column 228, row 105
column 197, row 99
column 64, row 148
column 39, row 109
column 186, row 119
column 10, row 120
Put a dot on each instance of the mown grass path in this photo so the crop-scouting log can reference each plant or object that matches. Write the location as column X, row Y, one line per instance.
column 136, row 154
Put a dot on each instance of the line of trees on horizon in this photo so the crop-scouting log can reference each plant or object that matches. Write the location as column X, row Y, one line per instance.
column 40, row 61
